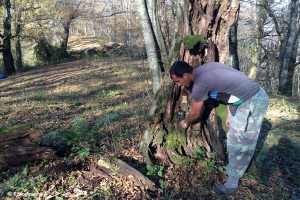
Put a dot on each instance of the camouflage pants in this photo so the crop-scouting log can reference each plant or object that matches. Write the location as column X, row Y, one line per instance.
column 243, row 133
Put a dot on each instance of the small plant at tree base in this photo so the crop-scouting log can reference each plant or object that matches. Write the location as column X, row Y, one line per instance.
column 210, row 163
column 156, row 170
column 200, row 152
column 162, row 184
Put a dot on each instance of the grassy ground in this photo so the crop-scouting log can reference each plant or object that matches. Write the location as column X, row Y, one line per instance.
column 111, row 98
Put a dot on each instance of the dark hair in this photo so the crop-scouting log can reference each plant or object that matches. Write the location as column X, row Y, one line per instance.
column 179, row 68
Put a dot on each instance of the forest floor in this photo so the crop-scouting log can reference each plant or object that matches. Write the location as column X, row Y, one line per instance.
column 111, row 98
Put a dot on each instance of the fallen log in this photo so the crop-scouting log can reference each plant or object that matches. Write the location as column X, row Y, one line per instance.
column 20, row 133
column 22, row 145
column 20, row 155
column 114, row 167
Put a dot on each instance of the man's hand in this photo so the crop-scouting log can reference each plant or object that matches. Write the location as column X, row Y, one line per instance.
column 227, row 121
column 193, row 115
column 183, row 124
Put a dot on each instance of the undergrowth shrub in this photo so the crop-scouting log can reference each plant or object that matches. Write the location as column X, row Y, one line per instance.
column 80, row 137
column 48, row 53
column 58, row 141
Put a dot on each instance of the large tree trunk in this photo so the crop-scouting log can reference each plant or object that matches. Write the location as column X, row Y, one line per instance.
column 164, row 140
column 212, row 19
column 8, row 60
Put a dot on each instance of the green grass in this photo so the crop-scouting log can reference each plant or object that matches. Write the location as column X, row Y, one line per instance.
column 222, row 113
column 110, row 93
column 277, row 162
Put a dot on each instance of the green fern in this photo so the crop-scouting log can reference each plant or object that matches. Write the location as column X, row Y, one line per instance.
column 54, row 139
column 109, row 118
column 79, row 126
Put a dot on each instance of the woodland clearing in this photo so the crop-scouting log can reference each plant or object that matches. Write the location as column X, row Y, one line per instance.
column 115, row 94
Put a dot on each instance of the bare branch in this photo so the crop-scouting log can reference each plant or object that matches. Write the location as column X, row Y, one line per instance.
column 272, row 15
column 113, row 14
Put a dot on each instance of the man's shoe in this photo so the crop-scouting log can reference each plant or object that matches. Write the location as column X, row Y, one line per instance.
column 223, row 190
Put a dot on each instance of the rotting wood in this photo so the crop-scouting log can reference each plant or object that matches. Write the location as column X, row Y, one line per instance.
column 114, row 167
column 22, row 146
column 21, row 133
column 25, row 154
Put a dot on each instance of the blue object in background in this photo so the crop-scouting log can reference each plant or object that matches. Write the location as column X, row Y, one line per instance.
column 2, row 76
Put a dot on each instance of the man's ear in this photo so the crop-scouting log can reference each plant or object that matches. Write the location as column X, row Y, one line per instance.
column 185, row 75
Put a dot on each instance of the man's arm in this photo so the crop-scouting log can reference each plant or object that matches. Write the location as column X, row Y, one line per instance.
column 194, row 114
column 227, row 117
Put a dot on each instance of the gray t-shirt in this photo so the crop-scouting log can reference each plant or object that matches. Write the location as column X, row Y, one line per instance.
column 223, row 83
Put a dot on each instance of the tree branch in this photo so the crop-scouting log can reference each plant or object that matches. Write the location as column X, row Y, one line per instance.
column 272, row 15
column 113, row 14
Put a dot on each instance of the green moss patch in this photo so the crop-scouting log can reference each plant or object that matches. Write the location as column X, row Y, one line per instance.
column 191, row 41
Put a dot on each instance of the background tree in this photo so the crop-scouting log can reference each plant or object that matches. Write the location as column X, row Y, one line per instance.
column 8, row 59
column 288, row 32
column 67, row 11
column 20, row 7
column 262, row 59
column 150, row 39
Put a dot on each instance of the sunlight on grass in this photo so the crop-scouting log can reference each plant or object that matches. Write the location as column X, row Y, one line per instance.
column 18, row 86
column 110, row 93
column 222, row 113
column 283, row 108
column 69, row 89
